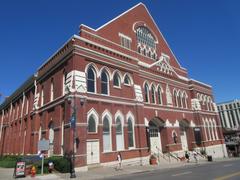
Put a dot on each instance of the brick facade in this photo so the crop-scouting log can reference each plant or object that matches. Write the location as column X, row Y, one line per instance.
column 25, row 119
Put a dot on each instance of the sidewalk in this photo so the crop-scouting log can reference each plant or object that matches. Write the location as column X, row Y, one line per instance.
column 107, row 172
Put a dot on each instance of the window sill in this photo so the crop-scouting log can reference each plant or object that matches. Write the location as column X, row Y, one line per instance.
column 117, row 87
column 92, row 133
column 129, row 85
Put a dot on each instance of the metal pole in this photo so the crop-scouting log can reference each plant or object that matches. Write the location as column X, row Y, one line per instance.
column 73, row 174
column 42, row 164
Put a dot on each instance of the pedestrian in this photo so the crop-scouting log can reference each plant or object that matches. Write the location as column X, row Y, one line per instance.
column 195, row 156
column 119, row 159
column 187, row 156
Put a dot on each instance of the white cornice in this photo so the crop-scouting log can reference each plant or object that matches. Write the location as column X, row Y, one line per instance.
column 107, row 48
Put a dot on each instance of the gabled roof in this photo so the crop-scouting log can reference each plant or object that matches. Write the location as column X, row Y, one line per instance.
column 134, row 8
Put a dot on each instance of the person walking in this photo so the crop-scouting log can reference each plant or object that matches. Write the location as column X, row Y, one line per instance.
column 195, row 156
column 187, row 156
column 119, row 159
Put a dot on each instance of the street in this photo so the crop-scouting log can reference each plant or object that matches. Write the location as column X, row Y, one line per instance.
column 214, row 170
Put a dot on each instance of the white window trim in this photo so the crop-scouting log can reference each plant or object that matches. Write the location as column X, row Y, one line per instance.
column 131, row 117
column 109, row 117
column 96, row 117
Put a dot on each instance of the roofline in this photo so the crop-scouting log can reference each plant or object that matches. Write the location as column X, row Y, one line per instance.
column 18, row 92
column 228, row 102
column 201, row 83
column 45, row 62
column 125, row 12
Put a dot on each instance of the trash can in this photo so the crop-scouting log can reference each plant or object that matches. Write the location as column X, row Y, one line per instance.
column 209, row 158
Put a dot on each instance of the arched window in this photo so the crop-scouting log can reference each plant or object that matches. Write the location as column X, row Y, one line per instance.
column 153, row 95
column 205, row 129
column 116, row 80
column 119, row 134
column 91, row 79
column 92, row 124
column 215, row 127
column 175, row 139
column 179, row 99
column 209, row 130
column 159, row 95
column 185, row 100
column 146, row 91
column 145, row 37
column 212, row 129
column 52, row 90
column 51, row 139
column 127, row 80
column 64, row 83
column 104, row 83
column 175, row 98
column 106, row 135
column 130, row 133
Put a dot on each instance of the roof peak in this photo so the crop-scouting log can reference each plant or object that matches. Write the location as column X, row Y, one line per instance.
column 125, row 12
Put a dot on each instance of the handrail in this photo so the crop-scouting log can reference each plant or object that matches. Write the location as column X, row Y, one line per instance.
column 174, row 156
column 161, row 154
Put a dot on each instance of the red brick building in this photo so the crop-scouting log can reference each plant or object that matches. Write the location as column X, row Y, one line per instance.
column 128, row 90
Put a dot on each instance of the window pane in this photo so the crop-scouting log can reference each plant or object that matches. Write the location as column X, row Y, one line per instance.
column 153, row 94
column 104, row 83
column 118, row 126
column 146, row 92
column 91, row 124
column 159, row 96
column 126, row 80
column 90, row 80
column 105, row 125
column 130, row 134
column 116, row 80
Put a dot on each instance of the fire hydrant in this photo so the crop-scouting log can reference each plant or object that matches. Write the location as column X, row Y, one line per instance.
column 33, row 171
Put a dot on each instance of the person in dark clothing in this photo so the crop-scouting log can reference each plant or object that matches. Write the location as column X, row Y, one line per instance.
column 187, row 156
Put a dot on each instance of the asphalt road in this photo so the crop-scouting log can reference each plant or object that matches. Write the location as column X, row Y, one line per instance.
column 229, row 170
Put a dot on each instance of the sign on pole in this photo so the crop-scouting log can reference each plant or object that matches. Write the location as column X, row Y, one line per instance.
column 43, row 145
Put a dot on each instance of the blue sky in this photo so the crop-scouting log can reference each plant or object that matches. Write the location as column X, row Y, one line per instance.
column 204, row 36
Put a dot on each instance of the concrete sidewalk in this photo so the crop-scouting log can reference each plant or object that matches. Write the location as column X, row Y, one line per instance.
column 107, row 172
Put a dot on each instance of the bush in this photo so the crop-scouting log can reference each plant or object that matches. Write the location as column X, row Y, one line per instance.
column 61, row 164
column 9, row 161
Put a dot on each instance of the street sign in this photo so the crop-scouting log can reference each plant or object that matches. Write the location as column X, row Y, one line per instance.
column 43, row 145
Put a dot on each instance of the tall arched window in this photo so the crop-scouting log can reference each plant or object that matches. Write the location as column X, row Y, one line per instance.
column 106, row 135
column 127, row 80
column 205, row 129
column 92, row 124
column 146, row 91
column 52, row 90
column 159, row 95
column 130, row 133
column 212, row 129
column 119, row 134
column 215, row 127
column 153, row 95
column 64, row 83
column 91, row 79
column 51, row 139
column 175, row 98
column 104, row 83
column 116, row 80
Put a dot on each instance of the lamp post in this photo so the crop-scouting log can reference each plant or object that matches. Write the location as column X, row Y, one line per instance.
column 72, row 101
